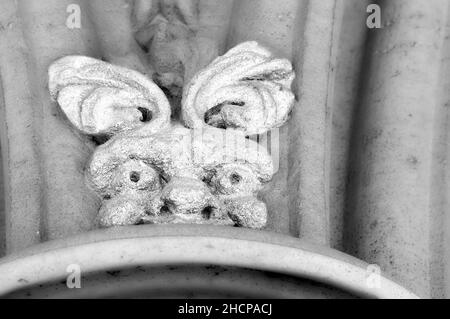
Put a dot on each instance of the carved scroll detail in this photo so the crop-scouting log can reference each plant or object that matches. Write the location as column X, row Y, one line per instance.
column 245, row 89
column 103, row 99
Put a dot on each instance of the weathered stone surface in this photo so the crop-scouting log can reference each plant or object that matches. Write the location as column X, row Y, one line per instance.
column 310, row 138
column 2, row 210
column 391, row 209
column 348, row 77
column 46, row 196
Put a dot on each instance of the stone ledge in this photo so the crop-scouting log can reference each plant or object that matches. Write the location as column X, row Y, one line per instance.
column 177, row 245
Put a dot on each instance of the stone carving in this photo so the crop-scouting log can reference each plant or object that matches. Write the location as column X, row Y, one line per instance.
column 181, row 176
column 154, row 171
column 168, row 31
column 245, row 89
column 103, row 99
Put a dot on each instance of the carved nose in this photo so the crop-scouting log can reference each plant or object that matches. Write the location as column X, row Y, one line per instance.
column 188, row 196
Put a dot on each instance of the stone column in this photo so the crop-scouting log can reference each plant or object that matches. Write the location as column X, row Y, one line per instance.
column 440, row 178
column 351, row 44
column 389, row 198
column 310, row 127
column 46, row 196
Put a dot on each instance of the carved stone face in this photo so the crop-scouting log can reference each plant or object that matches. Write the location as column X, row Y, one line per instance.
column 181, row 176
column 154, row 171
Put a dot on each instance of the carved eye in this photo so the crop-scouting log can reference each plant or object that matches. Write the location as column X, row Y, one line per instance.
column 147, row 115
column 235, row 178
column 133, row 175
column 208, row 212
column 231, row 179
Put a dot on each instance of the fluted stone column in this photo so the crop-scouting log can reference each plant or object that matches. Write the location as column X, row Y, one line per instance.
column 351, row 43
column 46, row 196
column 318, row 29
column 389, row 201
column 2, row 210
column 440, row 178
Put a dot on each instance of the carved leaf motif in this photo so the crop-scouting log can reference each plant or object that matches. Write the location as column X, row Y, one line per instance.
column 103, row 99
column 246, row 89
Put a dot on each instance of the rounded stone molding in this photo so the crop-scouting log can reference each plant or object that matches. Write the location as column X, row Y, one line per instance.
column 177, row 245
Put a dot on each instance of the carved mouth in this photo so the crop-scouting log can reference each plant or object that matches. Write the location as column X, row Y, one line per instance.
column 207, row 215
column 214, row 116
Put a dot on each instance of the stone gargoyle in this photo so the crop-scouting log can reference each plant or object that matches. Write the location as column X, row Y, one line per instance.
column 201, row 169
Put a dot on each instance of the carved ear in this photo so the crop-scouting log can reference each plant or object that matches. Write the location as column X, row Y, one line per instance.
column 245, row 89
column 103, row 99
